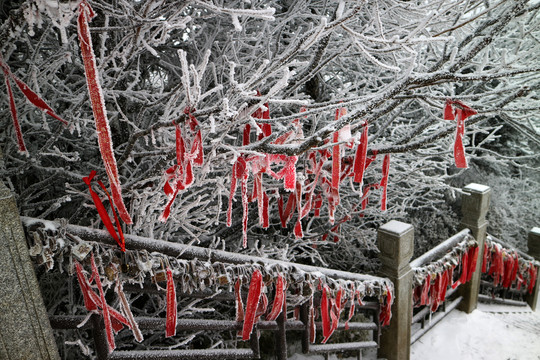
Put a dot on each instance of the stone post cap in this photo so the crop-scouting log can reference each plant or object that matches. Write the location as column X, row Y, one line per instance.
column 396, row 228
column 395, row 240
column 533, row 243
column 477, row 188
column 475, row 203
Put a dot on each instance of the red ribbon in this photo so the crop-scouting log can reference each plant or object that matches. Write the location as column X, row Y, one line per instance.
column 254, row 295
column 324, row 313
column 98, row 107
column 384, row 180
column 279, row 299
column 119, row 238
column 32, row 97
column 336, row 152
column 460, row 114
column 360, row 157
column 105, row 308
column 13, row 110
column 171, row 318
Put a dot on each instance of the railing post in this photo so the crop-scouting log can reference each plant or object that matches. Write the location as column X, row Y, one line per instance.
column 396, row 244
column 474, row 207
column 25, row 331
column 533, row 243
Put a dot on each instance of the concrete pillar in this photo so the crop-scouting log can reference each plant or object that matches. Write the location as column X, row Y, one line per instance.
column 396, row 244
column 533, row 243
column 474, row 207
column 25, row 331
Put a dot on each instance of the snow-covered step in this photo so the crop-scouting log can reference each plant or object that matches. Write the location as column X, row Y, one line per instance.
column 210, row 354
column 334, row 348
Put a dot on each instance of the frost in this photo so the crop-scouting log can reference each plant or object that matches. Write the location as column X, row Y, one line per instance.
column 477, row 188
column 396, row 227
column 392, row 65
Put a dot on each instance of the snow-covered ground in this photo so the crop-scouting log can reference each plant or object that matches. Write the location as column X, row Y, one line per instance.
column 491, row 332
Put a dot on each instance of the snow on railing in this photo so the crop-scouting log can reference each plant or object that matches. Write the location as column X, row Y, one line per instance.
column 437, row 275
column 271, row 285
column 508, row 274
column 455, row 265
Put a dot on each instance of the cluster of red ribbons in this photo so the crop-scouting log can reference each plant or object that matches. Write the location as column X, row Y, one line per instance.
column 331, row 306
column 266, row 295
column 180, row 176
column 507, row 268
column 433, row 280
column 32, row 97
column 98, row 107
column 303, row 196
column 114, row 320
column 258, row 166
column 457, row 110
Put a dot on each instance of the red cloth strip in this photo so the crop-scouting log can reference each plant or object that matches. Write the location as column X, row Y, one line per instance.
column 98, row 107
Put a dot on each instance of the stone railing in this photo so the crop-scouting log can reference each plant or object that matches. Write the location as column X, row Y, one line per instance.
column 395, row 240
column 26, row 332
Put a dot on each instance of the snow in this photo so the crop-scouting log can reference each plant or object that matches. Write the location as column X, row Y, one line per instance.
column 490, row 332
column 396, row 227
column 477, row 188
column 49, row 225
column 535, row 230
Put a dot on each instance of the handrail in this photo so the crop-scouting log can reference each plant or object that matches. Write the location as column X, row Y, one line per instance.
column 506, row 245
column 184, row 259
column 440, row 250
column 134, row 242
